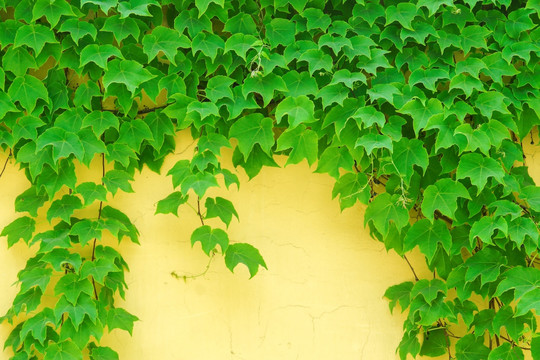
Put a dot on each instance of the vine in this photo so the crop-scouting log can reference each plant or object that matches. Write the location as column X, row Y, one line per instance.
column 417, row 109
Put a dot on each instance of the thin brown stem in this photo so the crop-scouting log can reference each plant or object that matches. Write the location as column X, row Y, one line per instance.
column 411, row 267
column 199, row 211
column 5, row 163
column 99, row 217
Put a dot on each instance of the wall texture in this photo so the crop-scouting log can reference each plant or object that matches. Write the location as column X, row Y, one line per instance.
column 321, row 297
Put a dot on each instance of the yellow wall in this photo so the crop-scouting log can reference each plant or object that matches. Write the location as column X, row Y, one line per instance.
column 321, row 297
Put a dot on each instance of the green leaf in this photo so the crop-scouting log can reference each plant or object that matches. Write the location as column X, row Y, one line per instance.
column 486, row 263
column 21, row 228
column 435, row 343
column 479, row 169
column 127, row 72
column 433, row 5
column 352, row 187
column 119, row 318
column 506, row 352
column 474, row 36
column 383, row 210
column 240, row 44
column 334, row 158
column 136, row 7
column 496, row 67
column 505, row 317
column 26, row 128
column 442, row 196
column 245, row 254
column 207, row 43
column 469, row 347
column 404, row 13
column 199, row 182
column 91, row 192
column 427, row 235
column 264, row 85
column 99, row 55
column 486, row 227
column 117, row 179
column 422, row 113
column 98, row 269
column 63, row 208
column 298, row 84
column 121, row 28
column 466, row 83
column 86, row 230
column 369, row 12
column 134, row 132
column 280, row 32
column 299, row 110
column 18, row 61
column 372, row 141
column 253, row 129
column 58, row 257
column 78, row 29
column 37, row 325
column 27, row 90
column 317, row 60
column 399, row 294
column 85, row 307
column 531, row 194
column 63, row 143
column 52, row 10
column 34, row 36
column 428, row 77
column 170, row 204
column 220, row 207
column 219, row 87
column 166, row 40
column 408, row 153
column 72, row 287
column 101, row 121
column 210, row 238
column 303, row 143
column 103, row 353
column 52, row 239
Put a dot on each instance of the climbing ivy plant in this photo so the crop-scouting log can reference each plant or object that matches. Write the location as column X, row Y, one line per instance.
column 418, row 109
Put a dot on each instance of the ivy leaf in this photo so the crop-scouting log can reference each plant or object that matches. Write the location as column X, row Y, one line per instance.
column 443, row 196
column 298, row 84
column 299, row 110
column 522, row 280
column 59, row 257
column 207, row 43
column 100, row 121
column 64, row 208
column 486, row 263
column 479, row 169
column 105, row 5
column 127, row 72
column 399, row 294
column 383, row 210
column 245, row 254
column 91, row 192
column 27, row 90
column 374, row 141
column 496, row 67
column 85, row 307
column 103, row 353
column 408, row 153
column 505, row 317
column 474, row 36
column 427, row 235
column 135, row 7
column 18, row 61
column 302, row 142
column 352, row 187
column 422, row 113
column 210, row 238
column 485, row 228
column 219, row 87
column 531, row 194
column 199, row 182
column 26, row 128
column 433, row 5
column 466, row 83
column 470, row 347
column 117, row 179
column 263, row 85
column 52, row 10
column 334, row 158
column 170, row 204
column 34, row 36
column 427, row 77
column 404, row 13
column 317, row 60
column 253, row 129
column 63, row 143
column 118, row 318
column 506, row 352
column 166, row 40
column 37, row 325
column 240, row 44
column 134, row 132
column 280, row 32
column 21, row 228
column 98, row 269
column 52, row 239
column 78, row 29
column 220, row 207
column 435, row 343
column 72, row 287
column 121, row 28
column 99, row 55
column 86, row 230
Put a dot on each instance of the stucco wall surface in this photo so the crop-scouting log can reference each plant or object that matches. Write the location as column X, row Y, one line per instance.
column 321, row 297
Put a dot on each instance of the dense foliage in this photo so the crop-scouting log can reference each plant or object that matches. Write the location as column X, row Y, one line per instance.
column 417, row 109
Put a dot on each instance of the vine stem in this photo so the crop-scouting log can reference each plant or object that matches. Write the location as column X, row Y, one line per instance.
column 99, row 217
column 5, row 163
column 411, row 267
column 199, row 211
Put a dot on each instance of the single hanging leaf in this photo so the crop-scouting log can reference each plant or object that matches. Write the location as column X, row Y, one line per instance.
column 78, row 29
column 207, row 43
column 220, row 207
column 408, row 153
column 386, row 208
column 199, row 182
column 486, row 263
column 302, row 142
column 299, row 110
column 86, row 230
column 119, row 318
column 240, row 44
column 485, row 228
column 253, row 129
column 34, row 36
column 166, row 40
column 399, row 294
column 103, row 353
column 427, row 235
column 63, row 143
column 471, row 348
column 121, row 28
column 280, row 32
column 100, row 121
column 479, row 169
column 21, row 228
column 403, row 13
column 27, row 90
column 474, row 36
column 245, row 254
column 171, row 203
column 263, row 85
column 442, row 196
column 52, row 10
column 99, row 55
column 117, row 179
column 210, row 238
column 64, row 208
column 91, row 192
column 219, row 87
column 127, row 72
column 334, row 158
column 352, row 187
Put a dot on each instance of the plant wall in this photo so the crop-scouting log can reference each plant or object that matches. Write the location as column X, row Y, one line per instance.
column 418, row 109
